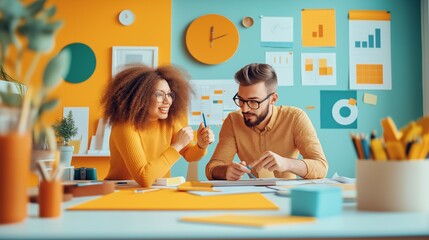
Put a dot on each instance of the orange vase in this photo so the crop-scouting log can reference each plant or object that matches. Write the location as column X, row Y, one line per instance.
column 15, row 155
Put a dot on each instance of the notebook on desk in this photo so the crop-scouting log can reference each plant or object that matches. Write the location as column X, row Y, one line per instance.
column 244, row 182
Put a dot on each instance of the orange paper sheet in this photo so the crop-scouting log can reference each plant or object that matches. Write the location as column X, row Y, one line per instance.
column 248, row 220
column 169, row 199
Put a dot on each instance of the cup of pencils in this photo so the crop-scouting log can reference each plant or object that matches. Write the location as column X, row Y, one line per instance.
column 392, row 173
column 50, row 189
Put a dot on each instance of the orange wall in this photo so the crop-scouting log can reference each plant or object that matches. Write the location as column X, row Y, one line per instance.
column 95, row 23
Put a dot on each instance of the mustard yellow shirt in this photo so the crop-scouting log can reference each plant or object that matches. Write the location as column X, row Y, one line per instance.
column 146, row 155
column 288, row 133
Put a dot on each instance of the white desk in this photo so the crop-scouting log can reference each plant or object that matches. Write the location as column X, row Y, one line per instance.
column 165, row 225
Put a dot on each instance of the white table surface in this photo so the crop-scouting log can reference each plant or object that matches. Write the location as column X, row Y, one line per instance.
column 166, row 225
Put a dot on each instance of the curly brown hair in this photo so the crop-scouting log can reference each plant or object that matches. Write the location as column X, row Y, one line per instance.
column 128, row 97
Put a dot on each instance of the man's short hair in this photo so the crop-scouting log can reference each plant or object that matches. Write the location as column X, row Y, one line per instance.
column 255, row 73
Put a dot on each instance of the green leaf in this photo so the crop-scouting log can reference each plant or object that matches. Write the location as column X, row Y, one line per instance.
column 56, row 70
column 49, row 105
column 35, row 7
column 50, row 12
column 11, row 99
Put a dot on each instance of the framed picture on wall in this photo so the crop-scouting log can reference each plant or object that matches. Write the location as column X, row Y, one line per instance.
column 127, row 55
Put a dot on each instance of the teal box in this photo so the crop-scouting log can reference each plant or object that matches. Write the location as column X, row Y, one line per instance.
column 316, row 201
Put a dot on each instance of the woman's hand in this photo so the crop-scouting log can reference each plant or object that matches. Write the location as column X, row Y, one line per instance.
column 182, row 138
column 205, row 136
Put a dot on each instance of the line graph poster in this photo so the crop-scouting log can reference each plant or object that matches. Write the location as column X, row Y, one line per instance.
column 318, row 28
column 369, row 46
column 277, row 32
column 214, row 99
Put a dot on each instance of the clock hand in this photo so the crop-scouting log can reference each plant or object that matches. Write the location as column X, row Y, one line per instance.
column 221, row 36
column 211, row 36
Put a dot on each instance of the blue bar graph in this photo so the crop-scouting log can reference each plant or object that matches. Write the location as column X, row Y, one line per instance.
column 374, row 40
column 378, row 38
column 371, row 41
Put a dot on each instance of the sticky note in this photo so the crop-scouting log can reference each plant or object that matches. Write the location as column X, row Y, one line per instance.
column 352, row 101
column 370, row 99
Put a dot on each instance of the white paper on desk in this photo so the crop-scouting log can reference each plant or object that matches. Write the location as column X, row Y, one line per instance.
column 243, row 182
column 233, row 190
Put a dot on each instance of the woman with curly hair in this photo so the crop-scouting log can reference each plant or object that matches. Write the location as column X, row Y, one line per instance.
column 144, row 105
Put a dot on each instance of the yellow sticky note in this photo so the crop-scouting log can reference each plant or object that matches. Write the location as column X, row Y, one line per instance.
column 195, row 186
column 370, row 99
column 248, row 220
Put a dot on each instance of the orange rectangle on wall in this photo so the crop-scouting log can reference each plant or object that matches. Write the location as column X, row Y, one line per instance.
column 205, row 97
column 369, row 73
column 218, row 91
column 369, row 15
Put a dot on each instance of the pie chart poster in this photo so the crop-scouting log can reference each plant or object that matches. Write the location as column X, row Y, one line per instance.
column 338, row 109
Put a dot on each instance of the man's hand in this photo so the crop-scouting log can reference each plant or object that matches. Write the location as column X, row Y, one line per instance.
column 270, row 161
column 236, row 170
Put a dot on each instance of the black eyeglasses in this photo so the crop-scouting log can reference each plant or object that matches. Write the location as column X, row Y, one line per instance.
column 252, row 104
column 161, row 96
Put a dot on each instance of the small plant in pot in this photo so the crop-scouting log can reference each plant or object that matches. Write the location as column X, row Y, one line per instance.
column 65, row 129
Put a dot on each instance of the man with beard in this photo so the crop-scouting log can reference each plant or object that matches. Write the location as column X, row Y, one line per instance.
column 266, row 138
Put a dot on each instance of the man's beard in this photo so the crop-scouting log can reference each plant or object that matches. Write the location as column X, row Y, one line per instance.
column 258, row 120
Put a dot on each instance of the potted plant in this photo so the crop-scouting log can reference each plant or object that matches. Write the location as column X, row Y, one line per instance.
column 65, row 129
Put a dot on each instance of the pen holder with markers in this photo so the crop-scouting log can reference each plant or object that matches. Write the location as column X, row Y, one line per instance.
column 50, row 198
column 394, row 185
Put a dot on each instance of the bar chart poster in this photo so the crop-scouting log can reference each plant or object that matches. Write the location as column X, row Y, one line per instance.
column 318, row 28
column 214, row 99
column 282, row 62
column 369, row 50
column 318, row 69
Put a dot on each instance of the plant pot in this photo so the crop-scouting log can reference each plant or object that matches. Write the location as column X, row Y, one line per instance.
column 66, row 154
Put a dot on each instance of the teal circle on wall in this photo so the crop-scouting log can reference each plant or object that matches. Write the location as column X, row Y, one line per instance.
column 82, row 64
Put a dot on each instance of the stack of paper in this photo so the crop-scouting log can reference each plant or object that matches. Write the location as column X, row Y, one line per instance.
column 173, row 181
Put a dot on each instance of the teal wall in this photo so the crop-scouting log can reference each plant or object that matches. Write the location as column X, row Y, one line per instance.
column 403, row 103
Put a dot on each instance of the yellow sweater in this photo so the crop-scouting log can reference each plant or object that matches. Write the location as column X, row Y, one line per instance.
column 146, row 155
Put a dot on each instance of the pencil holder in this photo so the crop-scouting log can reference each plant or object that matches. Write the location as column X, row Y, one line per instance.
column 400, row 186
column 50, row 198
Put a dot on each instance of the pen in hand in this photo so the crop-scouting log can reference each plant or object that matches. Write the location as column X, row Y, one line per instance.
column 250, row 174
column 204, row 120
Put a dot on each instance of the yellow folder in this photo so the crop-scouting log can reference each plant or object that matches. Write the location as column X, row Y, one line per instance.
column 169, row 199
column 248, row 220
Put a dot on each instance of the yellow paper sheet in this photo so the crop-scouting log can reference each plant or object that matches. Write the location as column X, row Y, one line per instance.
column 169, row 199
column 318, row 28
column 248, row 220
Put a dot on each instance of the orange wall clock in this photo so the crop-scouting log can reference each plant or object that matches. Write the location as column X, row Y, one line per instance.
column 212, row 39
